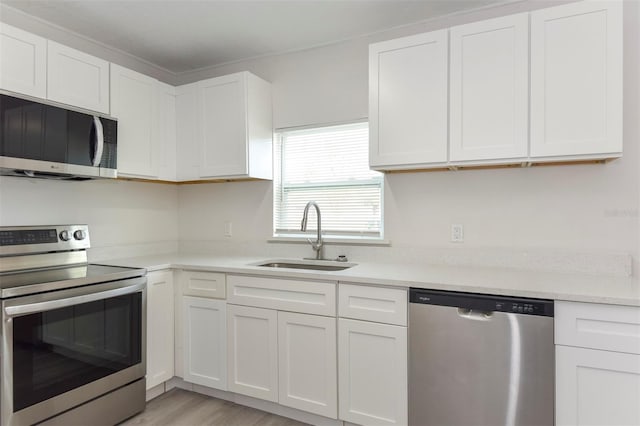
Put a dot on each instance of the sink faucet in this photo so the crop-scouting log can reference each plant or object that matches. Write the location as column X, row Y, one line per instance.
column 317, row 245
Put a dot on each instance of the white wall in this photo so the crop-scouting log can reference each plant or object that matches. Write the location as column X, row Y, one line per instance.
column 591, row 208
column 119, row 213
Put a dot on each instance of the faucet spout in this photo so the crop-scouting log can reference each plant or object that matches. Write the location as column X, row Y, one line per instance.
column 317, row 245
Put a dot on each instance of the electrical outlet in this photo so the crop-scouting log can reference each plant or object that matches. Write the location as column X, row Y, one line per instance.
column 457, row 233
column 228, row 228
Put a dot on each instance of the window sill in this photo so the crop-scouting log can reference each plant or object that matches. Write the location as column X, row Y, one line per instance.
column 343, row 241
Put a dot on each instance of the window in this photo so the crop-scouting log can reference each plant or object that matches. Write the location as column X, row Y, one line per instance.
column 328, row 165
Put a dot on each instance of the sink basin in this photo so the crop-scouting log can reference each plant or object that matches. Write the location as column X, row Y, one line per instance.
column 314, row 265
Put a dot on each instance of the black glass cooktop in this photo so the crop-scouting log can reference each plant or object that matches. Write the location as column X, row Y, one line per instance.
column 38, row 281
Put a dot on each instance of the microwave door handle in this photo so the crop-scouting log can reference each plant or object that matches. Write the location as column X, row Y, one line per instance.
column 97, row 157
column 37, row 307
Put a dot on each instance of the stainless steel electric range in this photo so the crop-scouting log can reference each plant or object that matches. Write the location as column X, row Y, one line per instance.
column 73, row 333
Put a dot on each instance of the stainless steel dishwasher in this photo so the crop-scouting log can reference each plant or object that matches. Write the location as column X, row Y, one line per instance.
column 480, row 360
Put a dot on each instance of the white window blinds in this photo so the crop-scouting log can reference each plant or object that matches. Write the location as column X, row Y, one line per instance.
column 328, row 165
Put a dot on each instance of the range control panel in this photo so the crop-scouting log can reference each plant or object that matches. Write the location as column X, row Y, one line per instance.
column 15, row 240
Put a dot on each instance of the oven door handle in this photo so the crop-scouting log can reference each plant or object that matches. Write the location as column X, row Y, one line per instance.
column 32, row 308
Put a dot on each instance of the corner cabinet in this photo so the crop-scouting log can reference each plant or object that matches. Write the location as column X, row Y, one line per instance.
column 408, row 101
column 597, row 364
column 576, row 79
column 226, row 126
column 23, row 62
column 160, row 322
column 76, row 78
column 134, row 104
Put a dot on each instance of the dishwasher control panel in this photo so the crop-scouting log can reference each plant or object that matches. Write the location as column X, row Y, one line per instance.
column 519, row 307
column 482, row 302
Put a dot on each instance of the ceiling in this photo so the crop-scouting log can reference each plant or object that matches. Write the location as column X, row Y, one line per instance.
column 186, row 35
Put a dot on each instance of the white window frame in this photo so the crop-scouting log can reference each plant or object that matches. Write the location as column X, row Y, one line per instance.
column 354, row 238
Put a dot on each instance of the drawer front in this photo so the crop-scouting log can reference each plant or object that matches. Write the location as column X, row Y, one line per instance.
column 596, row 326
column 308, row 297
column 385, row 305
column 203, row 284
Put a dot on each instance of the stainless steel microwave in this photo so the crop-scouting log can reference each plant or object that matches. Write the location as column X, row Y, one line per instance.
column 48, row 140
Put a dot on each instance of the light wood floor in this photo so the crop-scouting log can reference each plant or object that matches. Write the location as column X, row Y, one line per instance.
column 179, row 407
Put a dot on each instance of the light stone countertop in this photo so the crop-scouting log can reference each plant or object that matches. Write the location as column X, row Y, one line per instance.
column 498, row 281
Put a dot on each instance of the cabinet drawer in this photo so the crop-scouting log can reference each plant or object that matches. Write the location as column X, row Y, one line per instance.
column 309, row 297
column 590, row 325
column 203, row 284
column 386, row 305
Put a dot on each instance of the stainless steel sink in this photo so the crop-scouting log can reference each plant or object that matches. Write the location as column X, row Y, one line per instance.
column 314, row 265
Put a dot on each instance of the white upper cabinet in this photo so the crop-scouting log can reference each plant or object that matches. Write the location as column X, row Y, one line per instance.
column 133, row 103
column 165, row 130
column 235, row 127
column 408, row 101
column 23, row 62
column 489, row 94
column 76, row 78
column 576, row 79
column 187, row 160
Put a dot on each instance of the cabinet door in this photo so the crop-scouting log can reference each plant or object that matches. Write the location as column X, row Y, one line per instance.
column 223, row 126
column 187, row 131
column 205, row 351
column 372, row 371
column 23, row 62
column 165, row 131
column 76, row 78
column 596, row 387
column 160, row 317
column 489, row 92
column 307, row 363
column 408, row 101
column 253, row 351
column 576, row 79
column 133, row 103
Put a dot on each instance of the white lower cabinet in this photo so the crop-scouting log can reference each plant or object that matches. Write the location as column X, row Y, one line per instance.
column 372, row 371
column 597, row 364
column 595, row 387
column 253, row 351
column 160, row 317
column 307, row 363
column 204, row 333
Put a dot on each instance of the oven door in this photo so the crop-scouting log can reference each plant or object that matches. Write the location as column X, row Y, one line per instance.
column 63, row 348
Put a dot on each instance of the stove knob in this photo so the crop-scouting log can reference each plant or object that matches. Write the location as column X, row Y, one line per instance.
column 79, row 235
column 64, row 236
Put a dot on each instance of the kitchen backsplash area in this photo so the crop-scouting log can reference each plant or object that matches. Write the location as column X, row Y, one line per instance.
column 126, row 218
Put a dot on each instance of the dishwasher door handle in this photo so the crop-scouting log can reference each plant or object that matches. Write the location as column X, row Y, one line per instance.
column 475, row 315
